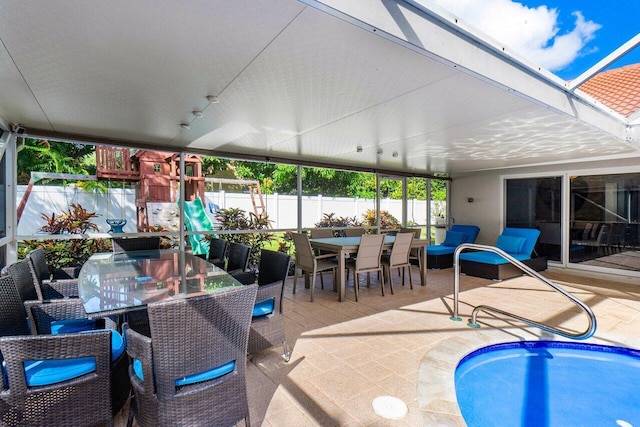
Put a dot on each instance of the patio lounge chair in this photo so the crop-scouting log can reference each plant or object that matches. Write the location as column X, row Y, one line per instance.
column 517, row 242
column 441, row 256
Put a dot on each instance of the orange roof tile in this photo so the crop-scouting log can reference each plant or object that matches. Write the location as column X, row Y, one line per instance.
column 618, row 89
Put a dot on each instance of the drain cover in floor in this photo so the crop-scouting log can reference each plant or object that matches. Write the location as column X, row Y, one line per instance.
column 389, row 407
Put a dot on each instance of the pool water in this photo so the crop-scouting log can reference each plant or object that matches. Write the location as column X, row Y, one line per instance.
column 549, row 383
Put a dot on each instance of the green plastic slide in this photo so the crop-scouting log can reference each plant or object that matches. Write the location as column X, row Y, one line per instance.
column 196, row 219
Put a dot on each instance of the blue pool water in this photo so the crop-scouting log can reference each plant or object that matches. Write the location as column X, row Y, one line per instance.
column 549, row 383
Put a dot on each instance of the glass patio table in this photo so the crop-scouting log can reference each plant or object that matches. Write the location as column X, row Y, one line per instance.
column 116, row 283
column 347, row 245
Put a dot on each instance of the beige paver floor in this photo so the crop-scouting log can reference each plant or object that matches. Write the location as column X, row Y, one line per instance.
column 406, row 346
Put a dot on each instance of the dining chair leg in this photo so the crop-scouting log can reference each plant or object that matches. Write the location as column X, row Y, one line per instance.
column 295, row 279
column 356, row 284
column 410, row 278
column 313, row 286
column 286, row 352
column 390, row 276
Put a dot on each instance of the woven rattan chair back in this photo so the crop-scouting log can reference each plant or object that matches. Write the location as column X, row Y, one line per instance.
column 135, row 244
column 80, row 401
column 218, row 249
column 23, row 279
column 13, row 317
column 38, row 265
column 238, row 259
column 50, row 288
column 189, row 336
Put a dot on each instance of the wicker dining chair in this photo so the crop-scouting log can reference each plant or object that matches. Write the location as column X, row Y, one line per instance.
column 218, row 251
column 191, row 370
column 367, row 259
column 13, row 317
column 399, row 257
column 310, row 263
column 79, row 396
column 267, row 324
column 238, row 258
column 51, row 288
column 68, row 315
column 135, row 244
column 23, row 279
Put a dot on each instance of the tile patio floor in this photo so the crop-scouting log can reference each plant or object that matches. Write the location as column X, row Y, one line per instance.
column 404, row 345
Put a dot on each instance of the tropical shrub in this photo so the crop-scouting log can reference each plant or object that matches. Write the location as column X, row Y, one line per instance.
column 67, row 253
column 387, row 221
column 329, row 220
column 237, row 219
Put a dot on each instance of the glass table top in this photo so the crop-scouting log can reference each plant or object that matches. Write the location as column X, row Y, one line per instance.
column 114, row 283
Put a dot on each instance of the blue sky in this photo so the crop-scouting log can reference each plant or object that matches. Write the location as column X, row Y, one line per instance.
column 566, row 37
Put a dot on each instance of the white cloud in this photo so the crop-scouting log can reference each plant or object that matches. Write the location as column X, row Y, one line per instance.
column 533, row 33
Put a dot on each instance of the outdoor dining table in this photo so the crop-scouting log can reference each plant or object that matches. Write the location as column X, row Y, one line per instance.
column 344, row 246
column 117, row 283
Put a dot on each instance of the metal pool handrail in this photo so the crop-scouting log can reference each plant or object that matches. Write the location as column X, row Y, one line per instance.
column 472, row 323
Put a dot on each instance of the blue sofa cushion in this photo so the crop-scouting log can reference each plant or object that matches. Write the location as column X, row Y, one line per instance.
column 440, row 250
column 454, row 238
column 490, row 257
column 470, row 230
column 263, row 308
column 210, row 374
column 510, row 244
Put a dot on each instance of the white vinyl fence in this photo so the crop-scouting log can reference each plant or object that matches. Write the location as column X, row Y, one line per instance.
column 281, row 209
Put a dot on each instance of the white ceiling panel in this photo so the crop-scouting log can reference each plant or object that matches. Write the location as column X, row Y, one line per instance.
column 293, row 81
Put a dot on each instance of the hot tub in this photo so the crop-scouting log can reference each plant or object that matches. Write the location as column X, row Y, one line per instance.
column 549, row 383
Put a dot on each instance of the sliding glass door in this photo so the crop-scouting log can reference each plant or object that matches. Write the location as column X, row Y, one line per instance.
column 537, row 203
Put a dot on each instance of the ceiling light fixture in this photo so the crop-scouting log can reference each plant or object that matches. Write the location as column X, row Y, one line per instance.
column 395, row 154
column 197, row 113
column 359, row 149
column 212, row 99
column 185, row 126
column 380, row 151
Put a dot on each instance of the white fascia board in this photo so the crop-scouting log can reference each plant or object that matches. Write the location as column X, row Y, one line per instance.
column 440, row 36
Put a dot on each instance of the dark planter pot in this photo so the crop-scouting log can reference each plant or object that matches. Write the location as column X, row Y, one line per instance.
column 66, row 273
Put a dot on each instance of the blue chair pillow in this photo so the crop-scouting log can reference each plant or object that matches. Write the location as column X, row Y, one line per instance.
column 210, row 374
column 510, row 244
column 263, row 308
column 454, row 238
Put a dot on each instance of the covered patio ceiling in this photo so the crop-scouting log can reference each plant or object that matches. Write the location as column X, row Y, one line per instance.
column 305, row 81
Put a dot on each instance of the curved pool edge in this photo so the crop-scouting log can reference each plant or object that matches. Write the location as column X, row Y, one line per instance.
column 436, row 385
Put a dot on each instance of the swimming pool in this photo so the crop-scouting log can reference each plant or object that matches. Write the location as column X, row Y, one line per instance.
column 549, row 383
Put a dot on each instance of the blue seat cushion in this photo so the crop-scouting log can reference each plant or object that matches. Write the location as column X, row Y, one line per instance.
column 263, row 308
column 440, row 250
column 454, row 238
column 67, row 326
column 490, row 257
column 210, row 374
column 510, row 244
column 47, row 372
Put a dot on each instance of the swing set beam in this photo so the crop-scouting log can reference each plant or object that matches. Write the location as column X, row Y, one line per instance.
column 39, row 176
